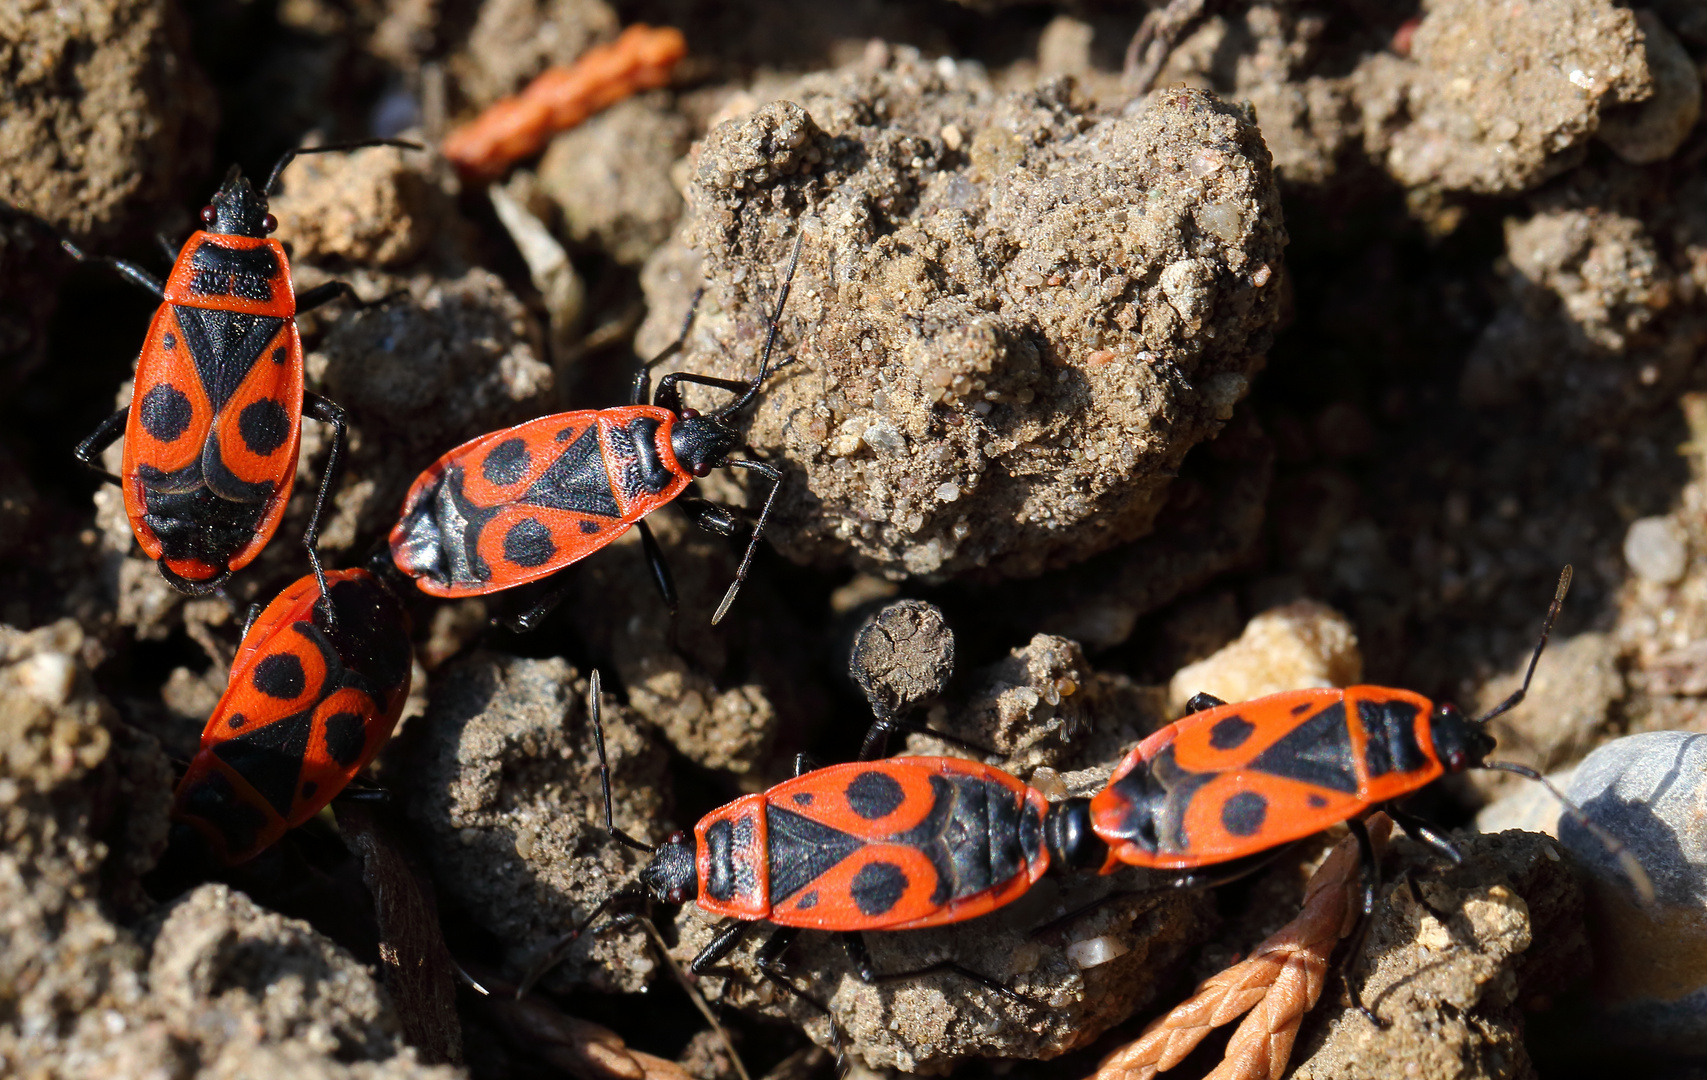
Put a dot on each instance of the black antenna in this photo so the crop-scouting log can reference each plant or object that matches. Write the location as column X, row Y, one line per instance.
column 291, row 155
column 554, row 955
column 1546, row 628
column 604, row 766
column 775, row 474
column 770, row 339
column 1627, row 862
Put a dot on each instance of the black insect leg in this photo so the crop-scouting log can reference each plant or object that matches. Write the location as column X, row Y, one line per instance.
column 727, row 939
column 643, row 378
column 1199, row 702
column 709, row 516
column 1424, row 833
column 669, row 393
column 321, row 295
column 803, row 764
column 860, row 957
column 250, row 614
column 655, row 562
column 361, row 789
column 554, row 955
column 1366, row 909
column 89, row 450
column 131, row 272
column 876, row 743
column 319, row 408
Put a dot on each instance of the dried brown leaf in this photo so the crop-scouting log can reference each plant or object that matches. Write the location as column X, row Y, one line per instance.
column 1277, row 984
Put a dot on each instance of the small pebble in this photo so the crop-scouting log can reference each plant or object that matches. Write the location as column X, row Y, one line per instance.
column 1300, row 645
column 1655, row 551
column 1095, row 951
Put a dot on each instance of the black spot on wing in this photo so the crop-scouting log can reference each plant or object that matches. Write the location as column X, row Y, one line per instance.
column 264, row 426
column 166, row 412
column 279, row 676
column 801, row 850
column 802, row 798
column 576, row 480
column 807, row 901
column 1317, row 801
column 346, row 734
column 237, row 720
column 270, row 757
column 1244, row 813
column 529, row 543
column 1391, row 730
column 874, row 794
column 588, row 527
column 280, row 355
column 878, row 887
column 1317, row 751
column 169, row 341
column 1230, row 732
column 506, row 463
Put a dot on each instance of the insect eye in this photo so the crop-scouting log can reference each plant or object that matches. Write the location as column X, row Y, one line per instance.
column 677, row 837
column 702, row 468
column 269, row 223
column 689, row 414
column 209, row 214
column 676, row 896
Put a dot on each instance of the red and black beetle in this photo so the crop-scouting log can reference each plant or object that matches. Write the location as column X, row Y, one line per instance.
column 1229, row 784
column 521, row 504
column 215, row 418
column 308, row 704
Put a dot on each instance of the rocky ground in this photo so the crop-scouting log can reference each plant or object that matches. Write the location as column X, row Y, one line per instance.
column 1312, row 359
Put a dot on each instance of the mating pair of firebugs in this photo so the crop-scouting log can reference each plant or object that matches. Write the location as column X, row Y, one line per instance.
column 912, row 842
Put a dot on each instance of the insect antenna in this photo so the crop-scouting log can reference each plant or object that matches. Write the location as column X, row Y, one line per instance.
column 770, row 339
column 604, row 767
column 628, row 893
column 1546, row 628
column 698, row 999
column 1627, row 861
column 292, row 155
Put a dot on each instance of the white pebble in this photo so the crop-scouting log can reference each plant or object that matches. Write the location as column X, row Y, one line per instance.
column 1655, row 551
column 49, row 677
column 948, row 491
column 1094, row 951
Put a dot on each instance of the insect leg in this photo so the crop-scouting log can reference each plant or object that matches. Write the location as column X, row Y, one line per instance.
column 661, row 575
column 669, row 394
column 321, row 295
column 803, row 764
column 528, row 605
column 709, row 516
column 1199, row 702
column 250, row 614
column 132, row 272
column 554, row 955
column 166, row 245
column 1424, row 833
column 89, row 450
column 728, row 937
column 327, row 413
column 860, row 957
column 1366, row 909
column 775, row 475
column 643, row 379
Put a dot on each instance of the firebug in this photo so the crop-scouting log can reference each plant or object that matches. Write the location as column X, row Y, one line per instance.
column 521, row 504
column 215, row 419
column 309, row 703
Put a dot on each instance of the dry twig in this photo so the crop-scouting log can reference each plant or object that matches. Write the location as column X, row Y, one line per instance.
column 641, row 58
column 1278, row 983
